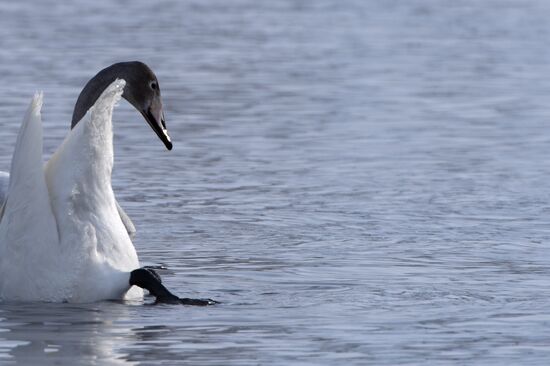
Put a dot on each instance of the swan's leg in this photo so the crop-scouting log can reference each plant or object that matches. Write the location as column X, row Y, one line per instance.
column 150, row 280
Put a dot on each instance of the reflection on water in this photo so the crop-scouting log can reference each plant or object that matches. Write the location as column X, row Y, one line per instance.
column 357, row 181
column 33, row 334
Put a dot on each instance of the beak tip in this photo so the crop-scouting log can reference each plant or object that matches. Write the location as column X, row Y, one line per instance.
column 159, row 128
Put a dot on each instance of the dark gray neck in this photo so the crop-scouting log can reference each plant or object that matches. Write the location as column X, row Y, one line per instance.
column 97, row 85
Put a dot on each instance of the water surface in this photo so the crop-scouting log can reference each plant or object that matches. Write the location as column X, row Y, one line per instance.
column 359, row 182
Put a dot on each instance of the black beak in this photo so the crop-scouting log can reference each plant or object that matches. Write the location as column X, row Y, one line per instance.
column 158, row 125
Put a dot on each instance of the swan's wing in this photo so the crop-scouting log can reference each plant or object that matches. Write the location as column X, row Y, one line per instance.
column 28, row 232
column 5, row 179
column 128, row 224
column 27, row 207
column 4, row 182
column 79, row 174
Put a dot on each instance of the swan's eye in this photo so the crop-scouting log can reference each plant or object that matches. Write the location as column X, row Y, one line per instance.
column 154, row 85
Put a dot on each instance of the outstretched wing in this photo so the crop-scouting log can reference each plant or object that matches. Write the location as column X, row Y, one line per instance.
column 27, row 207
column 28, row 231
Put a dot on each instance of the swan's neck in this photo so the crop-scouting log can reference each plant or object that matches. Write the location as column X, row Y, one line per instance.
column 96, row 85
column 79, row 173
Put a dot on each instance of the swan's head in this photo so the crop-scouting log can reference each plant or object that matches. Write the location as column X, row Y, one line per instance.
column 143, row 92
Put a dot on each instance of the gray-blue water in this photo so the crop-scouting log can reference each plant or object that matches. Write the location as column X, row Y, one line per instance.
column 359, row 182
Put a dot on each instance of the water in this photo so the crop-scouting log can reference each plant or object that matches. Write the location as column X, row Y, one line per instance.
column 359, row 182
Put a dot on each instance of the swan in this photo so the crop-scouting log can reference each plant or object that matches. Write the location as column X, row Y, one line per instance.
column 63, row 236
column 143, row 92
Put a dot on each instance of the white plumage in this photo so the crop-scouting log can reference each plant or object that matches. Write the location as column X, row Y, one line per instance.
column 61, row 235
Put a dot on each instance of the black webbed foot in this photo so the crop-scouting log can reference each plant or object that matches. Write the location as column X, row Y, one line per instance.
column 153, row 272
column 198, row 302
column 185, row 301
column 150, row 280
